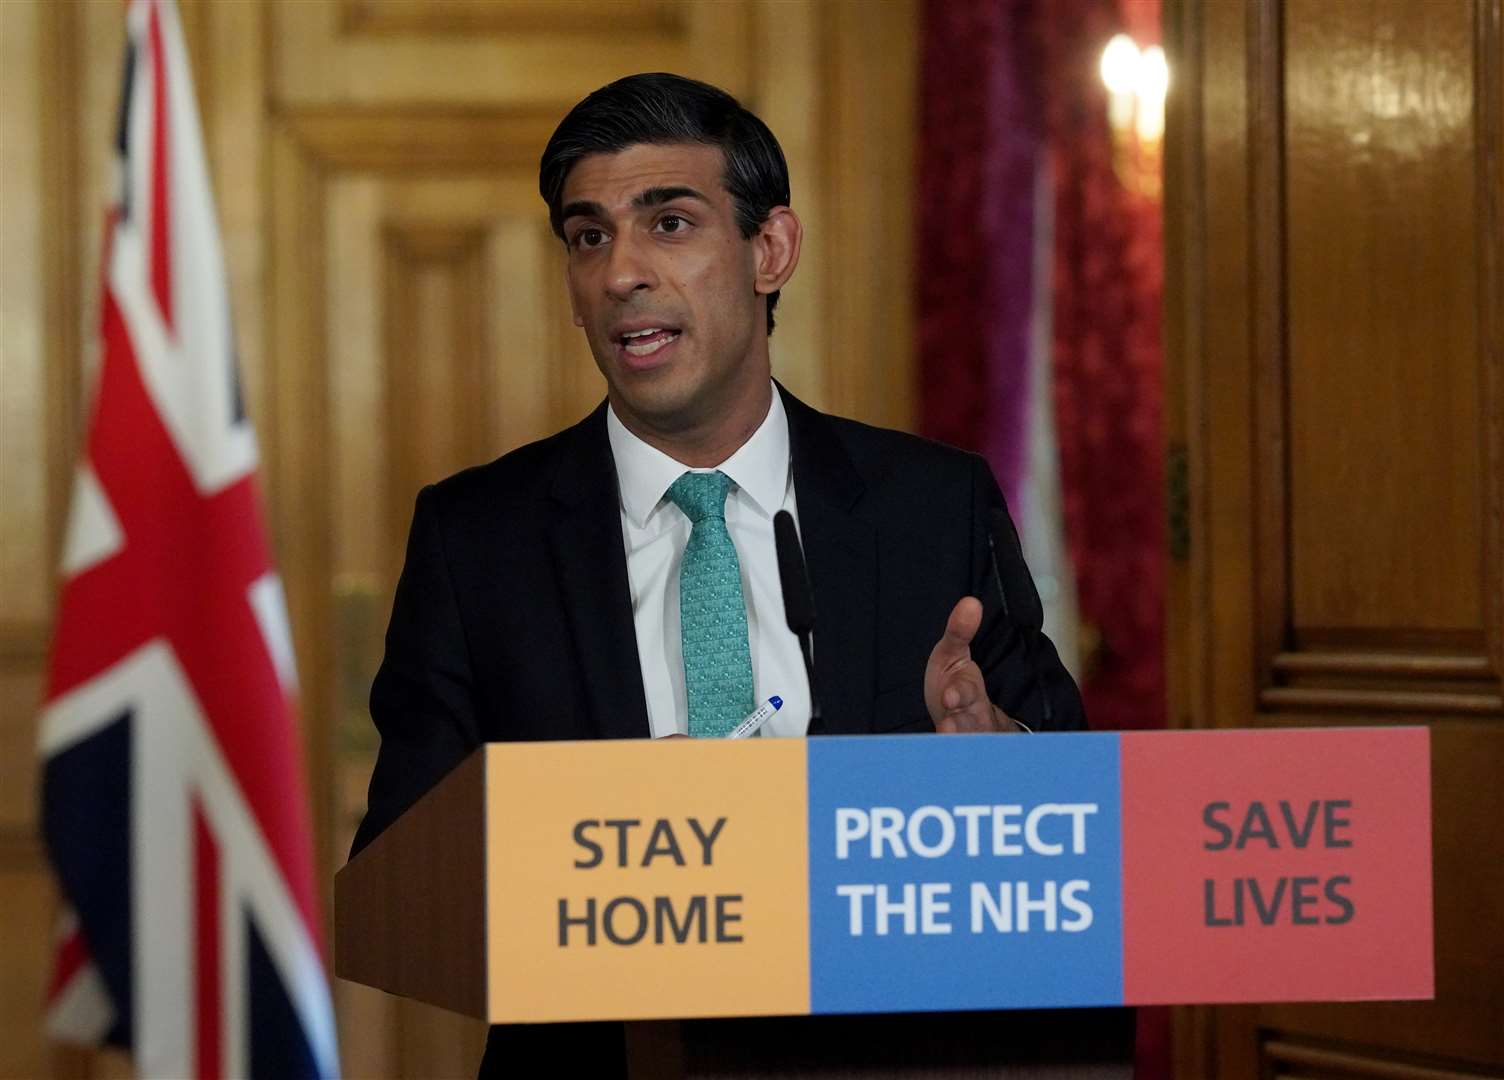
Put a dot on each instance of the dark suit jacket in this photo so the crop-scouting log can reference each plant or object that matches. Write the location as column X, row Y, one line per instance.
column 513, row 620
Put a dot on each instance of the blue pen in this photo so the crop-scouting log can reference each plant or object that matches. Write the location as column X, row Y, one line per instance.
column 756, row 719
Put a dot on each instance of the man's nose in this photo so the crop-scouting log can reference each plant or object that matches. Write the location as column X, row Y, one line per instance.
column 629, row 267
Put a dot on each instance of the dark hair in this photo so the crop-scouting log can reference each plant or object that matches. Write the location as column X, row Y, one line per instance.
column 662, row 109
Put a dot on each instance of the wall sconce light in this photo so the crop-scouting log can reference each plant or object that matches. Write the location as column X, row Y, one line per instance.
column 1137, row 80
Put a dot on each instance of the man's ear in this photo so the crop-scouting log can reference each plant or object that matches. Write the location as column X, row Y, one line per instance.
column 776, row 246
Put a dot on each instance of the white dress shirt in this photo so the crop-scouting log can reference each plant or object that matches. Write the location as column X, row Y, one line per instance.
column 656, row 531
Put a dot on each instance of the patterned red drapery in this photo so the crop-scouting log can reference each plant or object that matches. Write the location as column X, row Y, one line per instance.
column 1107, row 371
column 980, row 143
column 1001, row 83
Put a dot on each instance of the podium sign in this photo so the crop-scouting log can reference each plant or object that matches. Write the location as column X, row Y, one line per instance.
column 641, row 880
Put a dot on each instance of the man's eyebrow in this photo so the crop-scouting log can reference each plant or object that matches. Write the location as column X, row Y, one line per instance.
column 582, row 208
column 654, row 196
column 657, row 196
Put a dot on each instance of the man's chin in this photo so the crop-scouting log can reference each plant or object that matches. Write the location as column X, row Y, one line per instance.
column 657, row 400
column 664, row 421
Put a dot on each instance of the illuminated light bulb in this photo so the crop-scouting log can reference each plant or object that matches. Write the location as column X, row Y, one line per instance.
column 1153, row 74
column 1121, row 60
column 1153, row 84
column 1137, row 81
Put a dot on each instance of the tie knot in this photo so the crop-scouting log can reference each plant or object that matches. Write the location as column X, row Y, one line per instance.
column 701, row 495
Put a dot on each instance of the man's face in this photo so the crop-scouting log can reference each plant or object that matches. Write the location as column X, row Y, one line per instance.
column 663, row 283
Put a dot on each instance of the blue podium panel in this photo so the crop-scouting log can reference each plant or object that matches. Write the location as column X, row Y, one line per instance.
column 966, row 872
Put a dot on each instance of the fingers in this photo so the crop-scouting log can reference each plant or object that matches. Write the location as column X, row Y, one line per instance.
column 954, row 690
column 967, row 707
column 960, row 694
column 950, row 667
column 955, row 644
column 964, row 699
column 976, row 715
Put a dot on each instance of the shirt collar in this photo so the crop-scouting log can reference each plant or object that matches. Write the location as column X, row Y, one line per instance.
column 759, row 467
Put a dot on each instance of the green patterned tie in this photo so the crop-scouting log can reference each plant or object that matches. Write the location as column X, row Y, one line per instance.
column 712, row 614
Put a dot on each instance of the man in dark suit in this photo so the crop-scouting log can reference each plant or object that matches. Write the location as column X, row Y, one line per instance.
column 552, row 593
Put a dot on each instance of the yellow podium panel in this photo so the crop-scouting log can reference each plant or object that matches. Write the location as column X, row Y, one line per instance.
column 645, row 879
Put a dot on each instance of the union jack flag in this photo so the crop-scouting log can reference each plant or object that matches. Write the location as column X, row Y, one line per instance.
column 173, row 806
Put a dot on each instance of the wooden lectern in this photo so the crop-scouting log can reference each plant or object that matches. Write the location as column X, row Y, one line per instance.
column 437, row 908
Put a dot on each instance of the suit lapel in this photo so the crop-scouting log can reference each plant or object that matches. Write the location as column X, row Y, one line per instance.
column 840, row 549
column 590, row 563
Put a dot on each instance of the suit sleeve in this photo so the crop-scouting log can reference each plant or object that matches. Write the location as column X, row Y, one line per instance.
column 422, row 701
column 1024, row 675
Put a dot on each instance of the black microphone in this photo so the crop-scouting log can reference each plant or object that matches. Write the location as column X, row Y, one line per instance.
column 1000, row 530
column 798, row 602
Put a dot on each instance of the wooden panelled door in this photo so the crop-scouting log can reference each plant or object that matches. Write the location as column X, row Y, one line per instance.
column 400, row 314
column 1336, row 358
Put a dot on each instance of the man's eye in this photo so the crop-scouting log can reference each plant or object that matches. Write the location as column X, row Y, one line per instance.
column 672, row 223
column 589, row 238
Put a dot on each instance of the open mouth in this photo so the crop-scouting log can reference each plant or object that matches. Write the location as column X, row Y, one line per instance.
column 644, row 343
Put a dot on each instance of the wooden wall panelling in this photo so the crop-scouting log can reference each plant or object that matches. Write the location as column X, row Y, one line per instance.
column 439, row 364
column 26, row 946
column 868, row 98
column 95, row 38
column 1207, row 341
column 22, row 666
column 1340, row 172
column 61, row 77
column 1269, row 347
column 1189, row 43
column 40, row 97
column 355, row 204
column 363, row 554
column 39, row 333
column 23, row 374
column 25, row 421
column 1378, row 581
column 231, row 68
column 524, row 260
column 1183, row 329
column 434, row 1043
column 1383, row 383
column 1296, row 1059
column 1488, row 148
column 297, row 464
column 60, row 263
column 576, row 385
column 792, row 96
column 441, row 373
column 1222, row 368
column 321, row 59
column 300, row 476
column 462, row 17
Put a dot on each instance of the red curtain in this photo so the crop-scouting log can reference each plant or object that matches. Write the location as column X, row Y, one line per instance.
column 979, row 124
column 981, row 140
column 1108, row 375
column 1002, row 83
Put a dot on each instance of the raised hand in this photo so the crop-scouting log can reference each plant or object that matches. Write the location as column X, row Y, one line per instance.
column 954, row 690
